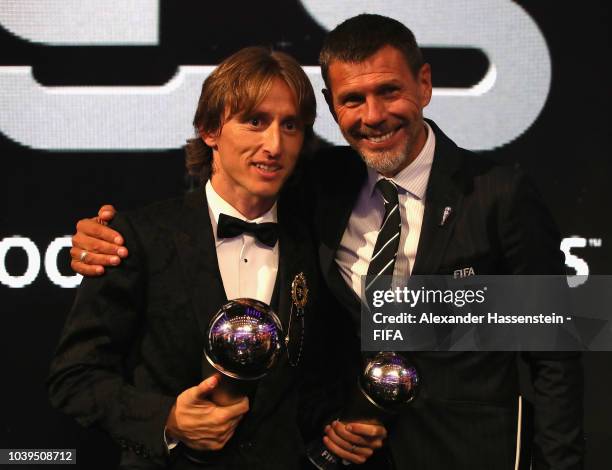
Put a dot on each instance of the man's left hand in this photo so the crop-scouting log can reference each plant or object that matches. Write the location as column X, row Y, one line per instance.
column 354, row 442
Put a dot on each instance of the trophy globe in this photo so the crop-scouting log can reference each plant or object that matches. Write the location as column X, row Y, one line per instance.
column 243, row 343
column 389, row 381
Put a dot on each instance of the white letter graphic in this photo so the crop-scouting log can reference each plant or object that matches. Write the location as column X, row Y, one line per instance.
column 492, row 113
column 51, row 264
column 82, row 22
column 33, row 261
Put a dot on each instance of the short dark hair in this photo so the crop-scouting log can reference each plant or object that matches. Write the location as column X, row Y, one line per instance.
column 236, row 87
column 361, row 36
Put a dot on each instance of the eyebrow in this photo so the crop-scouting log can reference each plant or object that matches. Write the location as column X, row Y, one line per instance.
column 392, row 82
column 266, row 114
column 348, row 94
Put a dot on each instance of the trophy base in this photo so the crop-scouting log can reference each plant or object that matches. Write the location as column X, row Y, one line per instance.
column 321, row 457
column 360, row 408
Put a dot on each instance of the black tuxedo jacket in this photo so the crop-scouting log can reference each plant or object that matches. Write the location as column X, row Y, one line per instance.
column 134, row 339
column 466, row 416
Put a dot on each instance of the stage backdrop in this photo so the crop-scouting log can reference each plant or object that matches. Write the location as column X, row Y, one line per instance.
column 97, row 97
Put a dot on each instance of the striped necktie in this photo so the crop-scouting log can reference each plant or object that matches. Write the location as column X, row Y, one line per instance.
column 387, row 242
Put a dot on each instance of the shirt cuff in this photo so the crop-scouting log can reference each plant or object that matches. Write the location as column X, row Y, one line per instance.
column 170, row 442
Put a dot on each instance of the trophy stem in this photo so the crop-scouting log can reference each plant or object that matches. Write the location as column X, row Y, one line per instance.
column 230, row 391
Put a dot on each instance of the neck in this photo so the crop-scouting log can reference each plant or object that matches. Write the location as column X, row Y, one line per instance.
column 248, row 205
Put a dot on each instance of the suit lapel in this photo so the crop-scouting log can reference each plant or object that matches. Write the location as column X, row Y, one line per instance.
column 292, row 243
column 444, row 190
column 291, row 262
column 340, row 198
column 195, row 244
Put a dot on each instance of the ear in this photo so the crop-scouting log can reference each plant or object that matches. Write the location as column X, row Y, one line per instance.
column 330, row 102
column 424, row 82
column 209, row 138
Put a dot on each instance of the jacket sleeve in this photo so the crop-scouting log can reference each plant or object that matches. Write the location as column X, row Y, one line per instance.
column 89, row 376
column 530, row 241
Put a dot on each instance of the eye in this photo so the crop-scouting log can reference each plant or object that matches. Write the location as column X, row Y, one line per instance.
column 255, row 121
column 290, row 125
column 388, row 90
column 352, row 99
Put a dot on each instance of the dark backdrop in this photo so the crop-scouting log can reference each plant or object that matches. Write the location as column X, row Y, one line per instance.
column 43, row 192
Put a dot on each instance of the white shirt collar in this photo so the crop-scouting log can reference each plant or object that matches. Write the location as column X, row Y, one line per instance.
column 415, row 176
column 217, row 206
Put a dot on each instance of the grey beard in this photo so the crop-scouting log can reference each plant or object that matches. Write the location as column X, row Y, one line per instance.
column 384, row 163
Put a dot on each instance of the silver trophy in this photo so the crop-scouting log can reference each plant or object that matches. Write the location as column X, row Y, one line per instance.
column 389, row 382
column 243, row 344
column 386, row 384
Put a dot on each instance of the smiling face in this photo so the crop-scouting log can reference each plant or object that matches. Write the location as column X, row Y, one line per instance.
column 255, row 153
column 378, row 104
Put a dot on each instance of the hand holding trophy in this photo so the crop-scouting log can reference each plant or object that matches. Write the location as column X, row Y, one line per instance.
column 386, row 384
column 242, row 345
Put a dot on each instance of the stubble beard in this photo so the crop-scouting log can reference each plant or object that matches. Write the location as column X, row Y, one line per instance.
column 386, row 163
column 390, row 162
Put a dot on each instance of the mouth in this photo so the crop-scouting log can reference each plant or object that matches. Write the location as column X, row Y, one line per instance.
column 267, row 170
column 379, row 139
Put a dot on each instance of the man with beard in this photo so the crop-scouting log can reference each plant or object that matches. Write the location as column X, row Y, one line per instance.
column 452, row 210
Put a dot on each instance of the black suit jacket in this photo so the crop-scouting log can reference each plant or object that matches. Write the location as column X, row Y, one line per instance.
column 134, row 339
column 466, row 416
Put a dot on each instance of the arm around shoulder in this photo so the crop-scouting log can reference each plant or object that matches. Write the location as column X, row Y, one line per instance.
column 88, row 379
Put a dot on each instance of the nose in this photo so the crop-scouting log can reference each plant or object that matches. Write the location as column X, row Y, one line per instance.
column 374, row 112
column 272, row 140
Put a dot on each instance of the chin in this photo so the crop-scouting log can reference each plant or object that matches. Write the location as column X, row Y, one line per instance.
column 388, row 162
column 267, row 191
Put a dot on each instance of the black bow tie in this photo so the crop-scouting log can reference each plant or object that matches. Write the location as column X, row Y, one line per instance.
column 229, row 227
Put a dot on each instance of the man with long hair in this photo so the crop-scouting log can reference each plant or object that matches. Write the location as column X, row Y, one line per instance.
column 129, row 359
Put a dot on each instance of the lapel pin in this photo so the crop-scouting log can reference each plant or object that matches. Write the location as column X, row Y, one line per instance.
column 299, row 292
column 299, row 297
column 445, row 215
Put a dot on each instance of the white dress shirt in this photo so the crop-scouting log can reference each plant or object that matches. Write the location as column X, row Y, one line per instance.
column 248, row 267
column 357, row 244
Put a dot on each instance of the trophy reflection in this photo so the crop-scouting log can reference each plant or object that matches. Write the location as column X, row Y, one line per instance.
column 387, row 383
column 243, row 344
